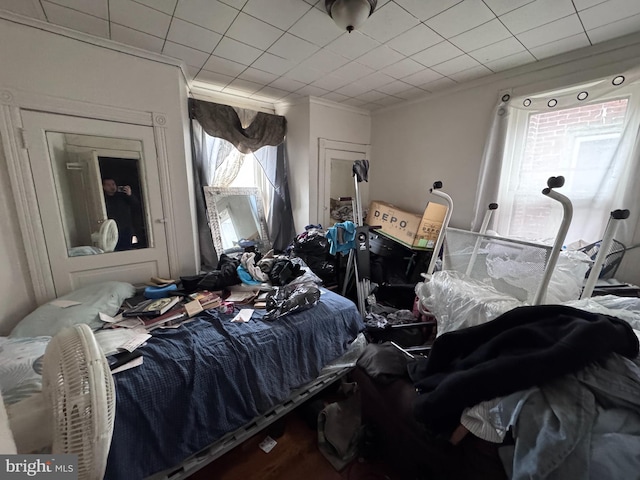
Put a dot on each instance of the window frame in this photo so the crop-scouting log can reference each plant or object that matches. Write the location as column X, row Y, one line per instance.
column 515, row 144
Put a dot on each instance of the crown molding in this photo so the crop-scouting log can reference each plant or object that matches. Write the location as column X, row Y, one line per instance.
column 201, row 92
column 93, row 40
column 325, row 103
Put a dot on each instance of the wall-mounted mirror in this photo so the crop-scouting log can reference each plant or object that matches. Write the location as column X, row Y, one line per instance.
column 236, row 218
column 100, row 190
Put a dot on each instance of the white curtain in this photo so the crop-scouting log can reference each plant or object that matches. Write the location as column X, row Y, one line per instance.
column 618, row 187
column 491, row 167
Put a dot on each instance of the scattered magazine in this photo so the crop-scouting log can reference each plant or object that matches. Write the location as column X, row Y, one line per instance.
column 152, row 307
column 118, row 340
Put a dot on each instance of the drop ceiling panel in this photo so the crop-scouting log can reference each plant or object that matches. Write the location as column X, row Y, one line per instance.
column 615, row 29
column 425, row 9
column 166, row 6
column 388, row 22
column 274, row 50
column 414, row 40
column 136, row 38
column 193, row 36
column 536, row 13
column 139, row 17
column 279, row 13
column 97, row 8
column 609, row 12
column 460, row 18
column 254, row 32
column 76, row 20
column 437, row 54
column 190, row 56
column 490, row 32
column 224, row 66
column 550, row 32
column 210, row 14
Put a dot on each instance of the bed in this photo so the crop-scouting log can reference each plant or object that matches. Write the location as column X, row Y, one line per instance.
column 211, row 383
column 202, row 388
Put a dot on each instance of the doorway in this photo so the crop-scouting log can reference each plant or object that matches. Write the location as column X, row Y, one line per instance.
column 335, row 165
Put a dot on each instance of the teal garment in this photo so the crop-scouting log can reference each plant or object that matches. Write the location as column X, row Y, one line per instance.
column 246, row 276
column 348, row 234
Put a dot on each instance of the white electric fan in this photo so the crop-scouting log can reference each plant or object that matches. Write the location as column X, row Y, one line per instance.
column 77, row 382
column 77, row 401
column 106, row 238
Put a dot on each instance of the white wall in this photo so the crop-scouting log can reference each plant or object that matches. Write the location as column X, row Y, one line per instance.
column 308, row 121
column 442, row 137
column 39, row 62
column 298, row 132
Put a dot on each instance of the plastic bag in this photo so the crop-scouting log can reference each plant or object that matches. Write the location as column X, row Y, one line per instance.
column 308, row 276
column 291, row 299
column 520, row 275
column 459, row 302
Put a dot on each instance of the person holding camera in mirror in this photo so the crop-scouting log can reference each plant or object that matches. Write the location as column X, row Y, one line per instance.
column 120, row 203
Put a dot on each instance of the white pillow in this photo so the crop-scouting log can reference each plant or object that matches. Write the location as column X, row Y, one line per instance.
column 48, row 319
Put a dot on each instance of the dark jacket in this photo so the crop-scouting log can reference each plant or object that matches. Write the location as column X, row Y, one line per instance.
column 521, row 348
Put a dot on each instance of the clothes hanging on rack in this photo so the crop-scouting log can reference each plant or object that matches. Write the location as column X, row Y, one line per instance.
column 341, row 237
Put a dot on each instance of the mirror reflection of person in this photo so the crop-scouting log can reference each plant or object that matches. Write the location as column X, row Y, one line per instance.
column 120, row 203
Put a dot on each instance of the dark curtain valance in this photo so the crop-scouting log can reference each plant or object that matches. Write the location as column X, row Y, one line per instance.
column 222, row 121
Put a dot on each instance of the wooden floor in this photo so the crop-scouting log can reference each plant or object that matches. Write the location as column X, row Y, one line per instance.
column 295, row 457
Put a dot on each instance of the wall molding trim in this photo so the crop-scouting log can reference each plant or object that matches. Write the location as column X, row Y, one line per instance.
column 46, row 103
column 26, row 203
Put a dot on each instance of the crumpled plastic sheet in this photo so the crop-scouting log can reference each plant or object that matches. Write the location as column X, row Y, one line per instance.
column 291, row 298
column 349, row 358
column 459, row 302
column 522, row 281
column 625, row 308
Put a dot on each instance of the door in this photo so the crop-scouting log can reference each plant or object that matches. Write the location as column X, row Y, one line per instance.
column 87, row 199
column 336, row 181
column 71, row 158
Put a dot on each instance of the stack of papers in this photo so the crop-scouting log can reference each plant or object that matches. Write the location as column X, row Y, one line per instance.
column 119, row 347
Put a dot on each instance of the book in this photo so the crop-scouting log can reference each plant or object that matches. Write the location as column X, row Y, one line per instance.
column 174, row 315
column 207, row 299
column 152, row 307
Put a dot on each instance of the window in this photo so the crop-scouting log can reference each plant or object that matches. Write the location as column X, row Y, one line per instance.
column 580, row 143
column 236, row 169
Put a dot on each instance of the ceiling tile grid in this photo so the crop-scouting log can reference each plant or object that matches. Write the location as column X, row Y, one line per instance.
column 279, row 50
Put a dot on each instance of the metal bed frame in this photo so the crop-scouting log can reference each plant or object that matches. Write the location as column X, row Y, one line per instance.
column 232, row 439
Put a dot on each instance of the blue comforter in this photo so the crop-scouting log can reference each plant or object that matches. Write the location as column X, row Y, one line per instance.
column 211, row 376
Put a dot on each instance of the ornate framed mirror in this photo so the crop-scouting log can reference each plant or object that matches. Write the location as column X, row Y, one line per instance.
column 236, row 219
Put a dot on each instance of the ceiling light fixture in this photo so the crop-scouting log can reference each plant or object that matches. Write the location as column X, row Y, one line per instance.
column 350, row 14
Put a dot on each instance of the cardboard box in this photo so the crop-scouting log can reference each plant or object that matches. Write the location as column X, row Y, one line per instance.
column 430, row 226
column 413, row 230
column 395, row 223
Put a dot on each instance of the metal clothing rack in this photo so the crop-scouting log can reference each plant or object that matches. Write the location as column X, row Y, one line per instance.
column 358, row 263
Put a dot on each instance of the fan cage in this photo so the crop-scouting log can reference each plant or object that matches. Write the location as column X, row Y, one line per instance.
column 514, row 267
column 79, row 387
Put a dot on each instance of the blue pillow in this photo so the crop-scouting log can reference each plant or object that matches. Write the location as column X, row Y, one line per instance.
column 48, row 319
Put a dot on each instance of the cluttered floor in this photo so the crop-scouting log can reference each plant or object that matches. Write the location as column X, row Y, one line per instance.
column 295, row 456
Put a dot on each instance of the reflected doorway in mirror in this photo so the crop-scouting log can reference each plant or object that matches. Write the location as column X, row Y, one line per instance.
column 82, row 165
column 124, row 200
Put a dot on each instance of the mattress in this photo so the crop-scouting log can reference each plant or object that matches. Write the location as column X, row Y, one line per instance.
column 212, row 376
